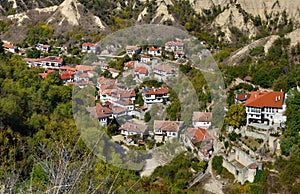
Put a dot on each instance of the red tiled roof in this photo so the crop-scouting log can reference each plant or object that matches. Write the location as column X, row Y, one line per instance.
column 129, row 64
column 67, row 68
column 89, row 44
column 100, row 111
column 153, row 49
column 6, row 45
column 141, row 70
column 171, row 126
column 146, row 57
column 102, row 64
column 156, row 91
column 65, row 76
column 198, row 135
column 261, row 99
column 44, row 75
column 132, row 48
column 202, row 116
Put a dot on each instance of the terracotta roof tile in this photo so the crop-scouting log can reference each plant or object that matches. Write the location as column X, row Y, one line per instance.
column 262, row 99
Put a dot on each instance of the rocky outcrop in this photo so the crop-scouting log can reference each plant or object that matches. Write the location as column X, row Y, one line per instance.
column 162, row 13
column 239, row 55
column 294, row 36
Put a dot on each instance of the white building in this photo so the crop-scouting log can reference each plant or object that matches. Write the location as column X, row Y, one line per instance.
column 202, row 119
column 43, row 47
column 145, row 59
column 90, row 48
column 131, row 50
column 52, row 62
column 266, row 107
column 10, row 48
column 155, row 95
column 164, row 70
column 156, row 52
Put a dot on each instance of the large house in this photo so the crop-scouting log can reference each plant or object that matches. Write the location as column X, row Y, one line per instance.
column 202, row 119
column 51, row 62
column 130, row 128
column 90, row 48
column 267, row 107
column 141, row 72
column 155, row 95
column 168, row 128
column 201, row 140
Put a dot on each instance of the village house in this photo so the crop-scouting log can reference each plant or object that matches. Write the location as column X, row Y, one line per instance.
column 43, row 47
column 10, row 48
column 69, row 69
column 167, row 128
column 66, row 77
column 79, row 76
column 84, row 68
column 241, row 98
column 128, row 65
column 102, row 113
column 241, row 165
column 163, row 71
column 179, row 54
column 174, row 46
column 90, row 48
column 114, row 72
column 105, row 83
column 103, row 66
column 266, row 107
column 131, row 50
column 51, row 62
column 145, row 59
column 131, row 128
column 155, row 95
column 46, row 73
column 141, row 72
column 202, row 119
column 155, row 52
column 199, row 139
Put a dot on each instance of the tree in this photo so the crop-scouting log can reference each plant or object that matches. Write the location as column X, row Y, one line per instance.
column 147, row 116
column 217, row 164
column 236, row 116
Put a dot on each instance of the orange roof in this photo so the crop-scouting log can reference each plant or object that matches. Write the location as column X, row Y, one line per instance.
column 44, row 75
column 262, row 99
column 153, row 49
column 89, row 44
column 129, row 64
column 141, row 70
column 6, row 45
column 156, row 91
column 65, row 76
column 133, row 127
column 242, row 97
column 146, row 57
column 198, row 135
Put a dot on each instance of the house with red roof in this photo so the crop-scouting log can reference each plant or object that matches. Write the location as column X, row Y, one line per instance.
column 89, row 47
column 102, row 113
column 201, row 140
column 266, row 107
column 10, row 48
column 128, row 65
column 114, row 72
column 155, row 52
column 66, row 77
column 141, row 72
column 103, row 66
column 167, row 128
column 202, row 119
column 155, row 95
